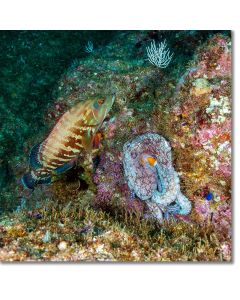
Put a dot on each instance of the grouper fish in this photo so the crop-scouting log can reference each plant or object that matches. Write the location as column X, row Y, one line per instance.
column 73, row 133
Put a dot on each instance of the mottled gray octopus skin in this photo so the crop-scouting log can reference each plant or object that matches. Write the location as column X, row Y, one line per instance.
column 156, row 184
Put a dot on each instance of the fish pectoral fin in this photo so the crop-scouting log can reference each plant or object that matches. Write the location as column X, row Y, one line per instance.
column 34, row 160
column 96, row 139
column 67, row 166
column 87, row 141
column 45, row 180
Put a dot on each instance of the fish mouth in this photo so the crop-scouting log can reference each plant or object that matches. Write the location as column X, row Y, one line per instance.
column 108, row 105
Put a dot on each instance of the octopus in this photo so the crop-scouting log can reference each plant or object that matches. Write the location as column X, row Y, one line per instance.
column 150, row 176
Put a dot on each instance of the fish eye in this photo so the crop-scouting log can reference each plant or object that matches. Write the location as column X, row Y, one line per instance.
column 100, row 101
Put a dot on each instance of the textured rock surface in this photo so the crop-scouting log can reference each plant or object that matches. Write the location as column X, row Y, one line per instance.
column 188, row 103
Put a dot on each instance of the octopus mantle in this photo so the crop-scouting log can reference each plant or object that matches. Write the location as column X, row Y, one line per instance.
column 159, row 185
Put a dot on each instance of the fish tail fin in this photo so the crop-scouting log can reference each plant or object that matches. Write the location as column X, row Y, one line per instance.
column 34, row 157
column 28, row 181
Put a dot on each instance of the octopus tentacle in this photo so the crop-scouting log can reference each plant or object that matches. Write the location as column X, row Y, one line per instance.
column 184, row 203
column 160, row 181
column 155, row 211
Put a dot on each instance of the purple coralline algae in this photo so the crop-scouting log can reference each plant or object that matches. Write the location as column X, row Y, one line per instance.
column 150, row 175
column 111, row 186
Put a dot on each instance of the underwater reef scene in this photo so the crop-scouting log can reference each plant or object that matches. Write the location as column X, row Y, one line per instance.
column 115, row 146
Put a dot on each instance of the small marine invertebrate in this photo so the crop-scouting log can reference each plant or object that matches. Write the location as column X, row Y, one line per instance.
column 62, row 246
column 89, row 47
column 159, row 55
column 209, row 196
column 73, row 133
column 150, row 175
column 47, row 237
column 200, row 87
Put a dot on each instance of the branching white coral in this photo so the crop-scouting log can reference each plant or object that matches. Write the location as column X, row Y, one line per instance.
column 159, row 56
column 89, row 47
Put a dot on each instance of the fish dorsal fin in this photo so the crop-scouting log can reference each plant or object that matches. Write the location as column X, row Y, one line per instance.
column 34, row 157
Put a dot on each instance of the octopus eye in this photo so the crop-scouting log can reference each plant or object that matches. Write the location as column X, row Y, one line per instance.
column 151, row 160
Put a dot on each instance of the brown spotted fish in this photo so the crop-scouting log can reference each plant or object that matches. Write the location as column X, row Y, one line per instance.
column 75, row 131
